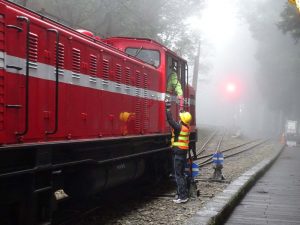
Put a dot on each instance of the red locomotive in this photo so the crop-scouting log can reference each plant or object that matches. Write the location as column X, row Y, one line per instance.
column 77, row 112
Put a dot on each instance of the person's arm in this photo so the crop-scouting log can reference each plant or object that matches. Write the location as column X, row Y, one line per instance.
column 176, row 126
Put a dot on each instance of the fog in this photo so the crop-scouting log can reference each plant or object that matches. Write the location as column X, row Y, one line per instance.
column 234, row 58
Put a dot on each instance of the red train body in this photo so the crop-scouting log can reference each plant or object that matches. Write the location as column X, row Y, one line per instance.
column 72, row 106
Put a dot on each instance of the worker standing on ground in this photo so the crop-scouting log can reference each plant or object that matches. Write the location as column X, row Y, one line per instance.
column 174, row 85
column 180, row 147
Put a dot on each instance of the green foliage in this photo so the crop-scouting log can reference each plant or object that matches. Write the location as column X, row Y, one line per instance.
column 161, row 20
column 290, row 21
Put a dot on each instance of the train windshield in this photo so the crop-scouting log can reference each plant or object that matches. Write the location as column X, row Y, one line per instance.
column 149, row 56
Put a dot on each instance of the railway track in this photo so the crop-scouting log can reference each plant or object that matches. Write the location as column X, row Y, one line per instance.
column 216, row 154
column 113, row 208
column 204, row 146
column 208, row 159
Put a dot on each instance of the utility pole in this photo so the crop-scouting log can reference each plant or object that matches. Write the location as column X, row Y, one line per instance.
column 196, row 67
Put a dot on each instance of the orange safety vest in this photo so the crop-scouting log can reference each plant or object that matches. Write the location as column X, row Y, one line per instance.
column 183, row 138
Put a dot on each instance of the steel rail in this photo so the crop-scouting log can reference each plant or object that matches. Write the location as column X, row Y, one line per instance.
column 209, row 161
column 228, row 149
column 202, row 149
column 218, row 146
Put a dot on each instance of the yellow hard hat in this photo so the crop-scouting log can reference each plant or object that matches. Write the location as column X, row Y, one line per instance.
column 185, row 117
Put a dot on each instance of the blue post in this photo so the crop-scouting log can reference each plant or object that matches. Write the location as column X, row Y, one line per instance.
column 218, row 162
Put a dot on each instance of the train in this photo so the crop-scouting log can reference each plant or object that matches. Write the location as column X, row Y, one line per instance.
column 78, row 113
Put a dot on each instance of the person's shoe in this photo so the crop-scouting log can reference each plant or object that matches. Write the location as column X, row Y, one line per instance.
column 178, row 201
column 176, row 197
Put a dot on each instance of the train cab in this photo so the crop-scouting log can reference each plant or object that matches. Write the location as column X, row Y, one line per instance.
column 163, row 60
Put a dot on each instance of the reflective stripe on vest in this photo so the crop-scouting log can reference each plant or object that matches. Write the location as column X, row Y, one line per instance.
column 183, row 138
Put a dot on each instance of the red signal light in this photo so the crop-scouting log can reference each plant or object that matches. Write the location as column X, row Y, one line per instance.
column 231, row 90
column 230, row 87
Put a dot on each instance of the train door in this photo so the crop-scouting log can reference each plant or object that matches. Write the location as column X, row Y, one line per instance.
column 176, row 73
column 17, row 33
column 54, row 51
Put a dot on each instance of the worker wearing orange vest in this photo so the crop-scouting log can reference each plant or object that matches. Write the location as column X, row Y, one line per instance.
column 180, row 146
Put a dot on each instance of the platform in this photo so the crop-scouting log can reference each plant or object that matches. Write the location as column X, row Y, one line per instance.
column 270, row 186
column 275, row 198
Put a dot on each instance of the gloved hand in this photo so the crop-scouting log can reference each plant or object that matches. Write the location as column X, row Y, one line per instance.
column 180, row 102
column 168, row 104
column 168, row 101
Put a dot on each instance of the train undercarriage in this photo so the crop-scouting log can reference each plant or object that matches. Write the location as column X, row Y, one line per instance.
column 30, row 174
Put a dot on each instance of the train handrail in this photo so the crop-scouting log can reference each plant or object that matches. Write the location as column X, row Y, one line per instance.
column 56, row 82
column 27, row 77
column 187, row 84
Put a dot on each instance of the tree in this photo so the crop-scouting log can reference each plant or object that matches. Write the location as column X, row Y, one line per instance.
column 161, row 20
column 290, row 21
column 277, row 54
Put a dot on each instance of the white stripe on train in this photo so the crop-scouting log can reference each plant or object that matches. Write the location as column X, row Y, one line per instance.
column 47, row 72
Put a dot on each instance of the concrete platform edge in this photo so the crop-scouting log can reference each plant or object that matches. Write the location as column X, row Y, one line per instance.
column 217, row 210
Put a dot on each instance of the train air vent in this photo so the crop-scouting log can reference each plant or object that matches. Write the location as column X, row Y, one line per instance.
column 138, row 83
column 105, row 71
column 76, row 63
column 93, row 69
column 138, row 114
column 93, row 65
column 33, row 50
column 61, row 59
column 146, row 103
column 118, row 75
column 138, row 102
column 127, row 78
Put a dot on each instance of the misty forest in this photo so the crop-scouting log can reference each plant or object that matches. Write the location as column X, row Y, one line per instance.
column 255, row 43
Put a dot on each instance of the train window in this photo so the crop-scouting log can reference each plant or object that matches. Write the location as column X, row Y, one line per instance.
column 173, row 65
column 149, row 56
column 176, row 84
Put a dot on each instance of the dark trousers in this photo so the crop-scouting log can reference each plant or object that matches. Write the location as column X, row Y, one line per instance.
column 179, row 161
